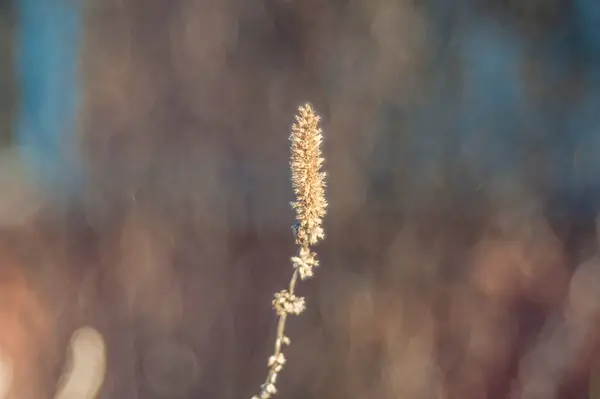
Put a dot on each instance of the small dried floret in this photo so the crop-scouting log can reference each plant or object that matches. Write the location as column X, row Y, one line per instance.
column 267, row 390
column 305, row 262
column 279, row 360
column 283, row 340
column 286, row 303
column 273, row 377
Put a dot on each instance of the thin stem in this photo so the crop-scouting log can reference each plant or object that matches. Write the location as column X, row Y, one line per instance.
column 281, row 327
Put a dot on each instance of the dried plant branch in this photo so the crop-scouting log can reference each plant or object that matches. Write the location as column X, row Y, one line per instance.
column 308, row 183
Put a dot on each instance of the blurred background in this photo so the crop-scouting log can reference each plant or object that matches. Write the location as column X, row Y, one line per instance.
column 144, row 191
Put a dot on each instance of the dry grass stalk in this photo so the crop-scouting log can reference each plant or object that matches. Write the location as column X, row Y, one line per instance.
column 308, row 183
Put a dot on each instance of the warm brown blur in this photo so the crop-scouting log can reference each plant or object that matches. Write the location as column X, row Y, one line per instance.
column 27, row 332
column 462, row 158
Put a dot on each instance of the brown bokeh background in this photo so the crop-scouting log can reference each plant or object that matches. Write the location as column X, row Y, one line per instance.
column 460, row 257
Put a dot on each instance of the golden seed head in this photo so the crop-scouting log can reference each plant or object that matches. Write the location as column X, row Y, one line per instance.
column 308, row 181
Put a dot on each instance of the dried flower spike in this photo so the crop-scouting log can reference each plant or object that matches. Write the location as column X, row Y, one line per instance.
column 308, row 183
column 307, row 179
